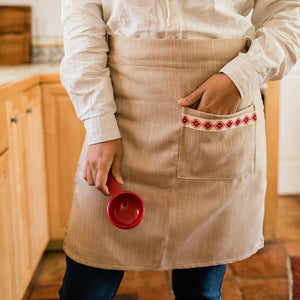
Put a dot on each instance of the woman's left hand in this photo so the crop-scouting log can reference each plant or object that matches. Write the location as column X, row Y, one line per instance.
column 218, row 94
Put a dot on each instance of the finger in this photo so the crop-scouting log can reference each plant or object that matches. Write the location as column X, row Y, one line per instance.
column 191, row 98
column 205, row 102
column 84, row 172
column 89, row 176
column 116, row 169
column 101, row 178
column 94, row 172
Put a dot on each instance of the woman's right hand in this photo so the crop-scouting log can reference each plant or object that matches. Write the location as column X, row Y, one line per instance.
column 102, row 157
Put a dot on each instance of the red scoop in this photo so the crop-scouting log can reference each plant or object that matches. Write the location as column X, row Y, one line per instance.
column 125, row 209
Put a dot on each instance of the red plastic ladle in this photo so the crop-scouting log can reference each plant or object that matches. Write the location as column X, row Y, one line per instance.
column 125, row 209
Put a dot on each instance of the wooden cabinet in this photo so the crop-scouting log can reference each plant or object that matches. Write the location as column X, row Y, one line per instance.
column 7, row 274
column 27, row 182
column 64, row 136
column 30, row 174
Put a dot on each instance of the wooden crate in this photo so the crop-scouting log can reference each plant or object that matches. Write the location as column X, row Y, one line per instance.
column 15, row 35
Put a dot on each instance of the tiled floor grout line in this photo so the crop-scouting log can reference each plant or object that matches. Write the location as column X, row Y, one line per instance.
column 235, row 279
column 261, row 277
column 169, row 285
column 287, row 256
column 290, row 277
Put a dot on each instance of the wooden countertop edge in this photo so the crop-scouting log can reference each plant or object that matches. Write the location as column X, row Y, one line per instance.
column 10, row 89
column 49, row 78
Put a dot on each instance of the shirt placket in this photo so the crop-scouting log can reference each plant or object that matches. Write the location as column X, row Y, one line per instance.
column 174, row 20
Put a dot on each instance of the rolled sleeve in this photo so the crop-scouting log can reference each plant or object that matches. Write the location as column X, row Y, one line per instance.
column 109, row 129
column 243, row 74
column 275, row 49
column 83, row 70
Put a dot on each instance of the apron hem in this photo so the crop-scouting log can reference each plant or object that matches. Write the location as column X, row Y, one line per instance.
column 95, row 264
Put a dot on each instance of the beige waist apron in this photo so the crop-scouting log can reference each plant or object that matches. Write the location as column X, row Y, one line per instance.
column 202, row 176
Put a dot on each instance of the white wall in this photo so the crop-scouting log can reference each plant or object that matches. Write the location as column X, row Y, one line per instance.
column 289, row 134
column 45, row 16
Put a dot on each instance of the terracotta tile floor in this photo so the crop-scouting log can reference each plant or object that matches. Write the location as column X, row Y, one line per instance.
column 260, row 277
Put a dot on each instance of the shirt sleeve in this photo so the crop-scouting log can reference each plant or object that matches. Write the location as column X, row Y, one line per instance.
column 83, row 70
column 274, row 50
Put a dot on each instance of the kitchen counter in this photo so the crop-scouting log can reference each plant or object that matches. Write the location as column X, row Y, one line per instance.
column 11, row 74
column 14, row 79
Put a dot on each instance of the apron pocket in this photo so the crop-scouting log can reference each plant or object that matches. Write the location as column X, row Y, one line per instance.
column 216, row 147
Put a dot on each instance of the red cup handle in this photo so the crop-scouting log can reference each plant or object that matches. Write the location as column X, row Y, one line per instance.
column 113, row 186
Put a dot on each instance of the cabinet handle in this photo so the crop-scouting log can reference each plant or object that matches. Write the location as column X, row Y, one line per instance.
column 29, row 110
column 15, row 119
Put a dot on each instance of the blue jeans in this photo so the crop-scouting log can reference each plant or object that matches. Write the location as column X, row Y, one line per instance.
column 86, row 283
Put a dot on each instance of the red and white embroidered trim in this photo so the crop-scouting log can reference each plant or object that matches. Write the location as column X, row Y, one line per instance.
column 218, row 125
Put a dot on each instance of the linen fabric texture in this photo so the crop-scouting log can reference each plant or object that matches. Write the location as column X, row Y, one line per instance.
column 271, row 26
column 203, row 189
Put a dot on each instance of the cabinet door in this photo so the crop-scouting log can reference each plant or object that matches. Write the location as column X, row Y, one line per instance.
column 64, row 136
column 27, row 181
column 36, row 175
column 20, row 202
column 7, row 288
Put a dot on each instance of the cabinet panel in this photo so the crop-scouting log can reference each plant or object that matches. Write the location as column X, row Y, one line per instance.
column 7, row 288
column 20, row 205
column 64, row 136
column 36, row 176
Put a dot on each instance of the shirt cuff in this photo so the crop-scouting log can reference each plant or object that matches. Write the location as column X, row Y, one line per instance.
column 101, row 129
column 241, row 71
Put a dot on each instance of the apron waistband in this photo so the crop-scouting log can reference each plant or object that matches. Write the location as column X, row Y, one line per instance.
column 186, row 53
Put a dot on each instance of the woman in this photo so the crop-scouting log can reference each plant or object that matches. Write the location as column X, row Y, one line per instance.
column 168, row 91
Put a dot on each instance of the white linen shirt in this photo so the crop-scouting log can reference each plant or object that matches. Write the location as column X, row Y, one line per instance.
column 273, row 27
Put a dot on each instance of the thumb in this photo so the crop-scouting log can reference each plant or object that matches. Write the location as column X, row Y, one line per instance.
column 192, row 98
column 116, row 170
